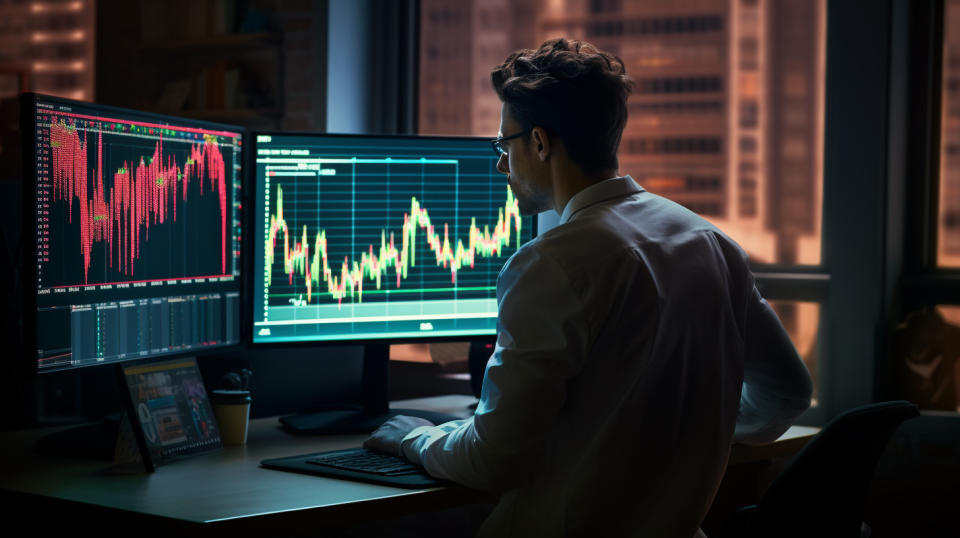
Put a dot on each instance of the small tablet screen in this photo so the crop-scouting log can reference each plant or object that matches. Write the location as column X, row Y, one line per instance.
column 171, row 408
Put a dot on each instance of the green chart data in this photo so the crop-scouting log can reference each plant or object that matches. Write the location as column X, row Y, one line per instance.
column 379, row 238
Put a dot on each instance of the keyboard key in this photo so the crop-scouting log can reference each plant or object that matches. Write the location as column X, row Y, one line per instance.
column 365, row 461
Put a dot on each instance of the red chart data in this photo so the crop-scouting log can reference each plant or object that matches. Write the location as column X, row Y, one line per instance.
column 133, row 202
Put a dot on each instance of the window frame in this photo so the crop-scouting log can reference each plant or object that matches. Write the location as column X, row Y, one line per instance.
column 877, row 60
column 924, row 283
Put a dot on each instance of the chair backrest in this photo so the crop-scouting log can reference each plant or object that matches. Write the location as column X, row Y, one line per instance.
column 824, row 490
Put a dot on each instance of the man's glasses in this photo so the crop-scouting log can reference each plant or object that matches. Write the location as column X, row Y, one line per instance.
column 497, row 143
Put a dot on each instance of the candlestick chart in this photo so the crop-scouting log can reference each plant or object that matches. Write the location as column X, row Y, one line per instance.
column 128, row 203
column 136, row 221
column 379, row 237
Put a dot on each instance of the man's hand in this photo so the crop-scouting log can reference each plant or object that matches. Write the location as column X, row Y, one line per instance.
column 387, row 437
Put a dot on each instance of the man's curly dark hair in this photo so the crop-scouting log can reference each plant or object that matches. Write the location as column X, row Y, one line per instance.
column 574, row 91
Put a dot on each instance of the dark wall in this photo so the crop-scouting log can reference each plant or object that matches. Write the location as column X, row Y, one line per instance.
column 256, row 63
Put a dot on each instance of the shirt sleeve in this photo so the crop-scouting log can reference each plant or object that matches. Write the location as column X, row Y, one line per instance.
column 541, row 341
column 776, row 384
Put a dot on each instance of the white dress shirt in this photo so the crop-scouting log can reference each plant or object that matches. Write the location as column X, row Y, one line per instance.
column 614, row 391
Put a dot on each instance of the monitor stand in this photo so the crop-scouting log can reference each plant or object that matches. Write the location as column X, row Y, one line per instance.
column 371, row 413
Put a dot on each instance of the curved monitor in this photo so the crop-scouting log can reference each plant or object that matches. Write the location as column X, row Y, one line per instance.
column 136, row 228
column 385, row 238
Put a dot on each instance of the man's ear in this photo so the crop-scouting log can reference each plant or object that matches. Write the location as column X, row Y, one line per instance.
column 541, row 142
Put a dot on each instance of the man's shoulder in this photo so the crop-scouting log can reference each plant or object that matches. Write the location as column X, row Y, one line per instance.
column 649, row 226
column 627, row 222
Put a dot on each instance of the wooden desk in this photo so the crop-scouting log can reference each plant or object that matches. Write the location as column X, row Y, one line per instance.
column 228, row 491
column 222, row 491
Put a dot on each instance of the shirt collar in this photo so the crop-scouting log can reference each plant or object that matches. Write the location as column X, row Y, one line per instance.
column 598, row 192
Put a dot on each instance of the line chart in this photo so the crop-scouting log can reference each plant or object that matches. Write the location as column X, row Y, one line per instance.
column 315, row 269
column 379, row 237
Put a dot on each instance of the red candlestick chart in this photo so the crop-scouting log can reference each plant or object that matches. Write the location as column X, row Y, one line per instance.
column 126, row 195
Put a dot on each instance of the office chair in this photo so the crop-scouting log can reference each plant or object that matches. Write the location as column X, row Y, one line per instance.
column 824, row 489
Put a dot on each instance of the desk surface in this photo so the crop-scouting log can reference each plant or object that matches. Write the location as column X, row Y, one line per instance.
column 228, row 488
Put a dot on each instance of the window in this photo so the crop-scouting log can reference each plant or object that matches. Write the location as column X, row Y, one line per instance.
column 726, row 117
column 948, row 229
column 702, row 145
column 765, row 60
column 926, row 342
column 678, row 85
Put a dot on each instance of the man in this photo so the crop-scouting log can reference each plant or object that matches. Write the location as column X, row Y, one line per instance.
column 624, row 334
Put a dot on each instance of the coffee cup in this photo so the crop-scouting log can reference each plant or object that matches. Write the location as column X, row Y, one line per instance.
column 232, row 409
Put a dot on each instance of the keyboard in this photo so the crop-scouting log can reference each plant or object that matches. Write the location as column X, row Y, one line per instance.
column 366, row 461
column 358, row 464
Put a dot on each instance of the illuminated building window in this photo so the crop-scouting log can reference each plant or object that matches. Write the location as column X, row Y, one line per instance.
column 603, row 6
column 678, row 85
column 677, row 107
column 704, row 183
column 749, row 113
column 668, row 25
column 749, row 53
column 51, row 45
column 707, row 145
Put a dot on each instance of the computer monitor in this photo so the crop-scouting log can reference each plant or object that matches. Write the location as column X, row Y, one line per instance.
column 133, row 231
column 378, row 239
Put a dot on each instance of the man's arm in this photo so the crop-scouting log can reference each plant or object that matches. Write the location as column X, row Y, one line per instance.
column 776, row 384
column 541, row 341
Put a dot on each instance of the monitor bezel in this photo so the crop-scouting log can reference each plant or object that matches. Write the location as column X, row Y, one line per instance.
column 28, row 106
column 357, row 341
